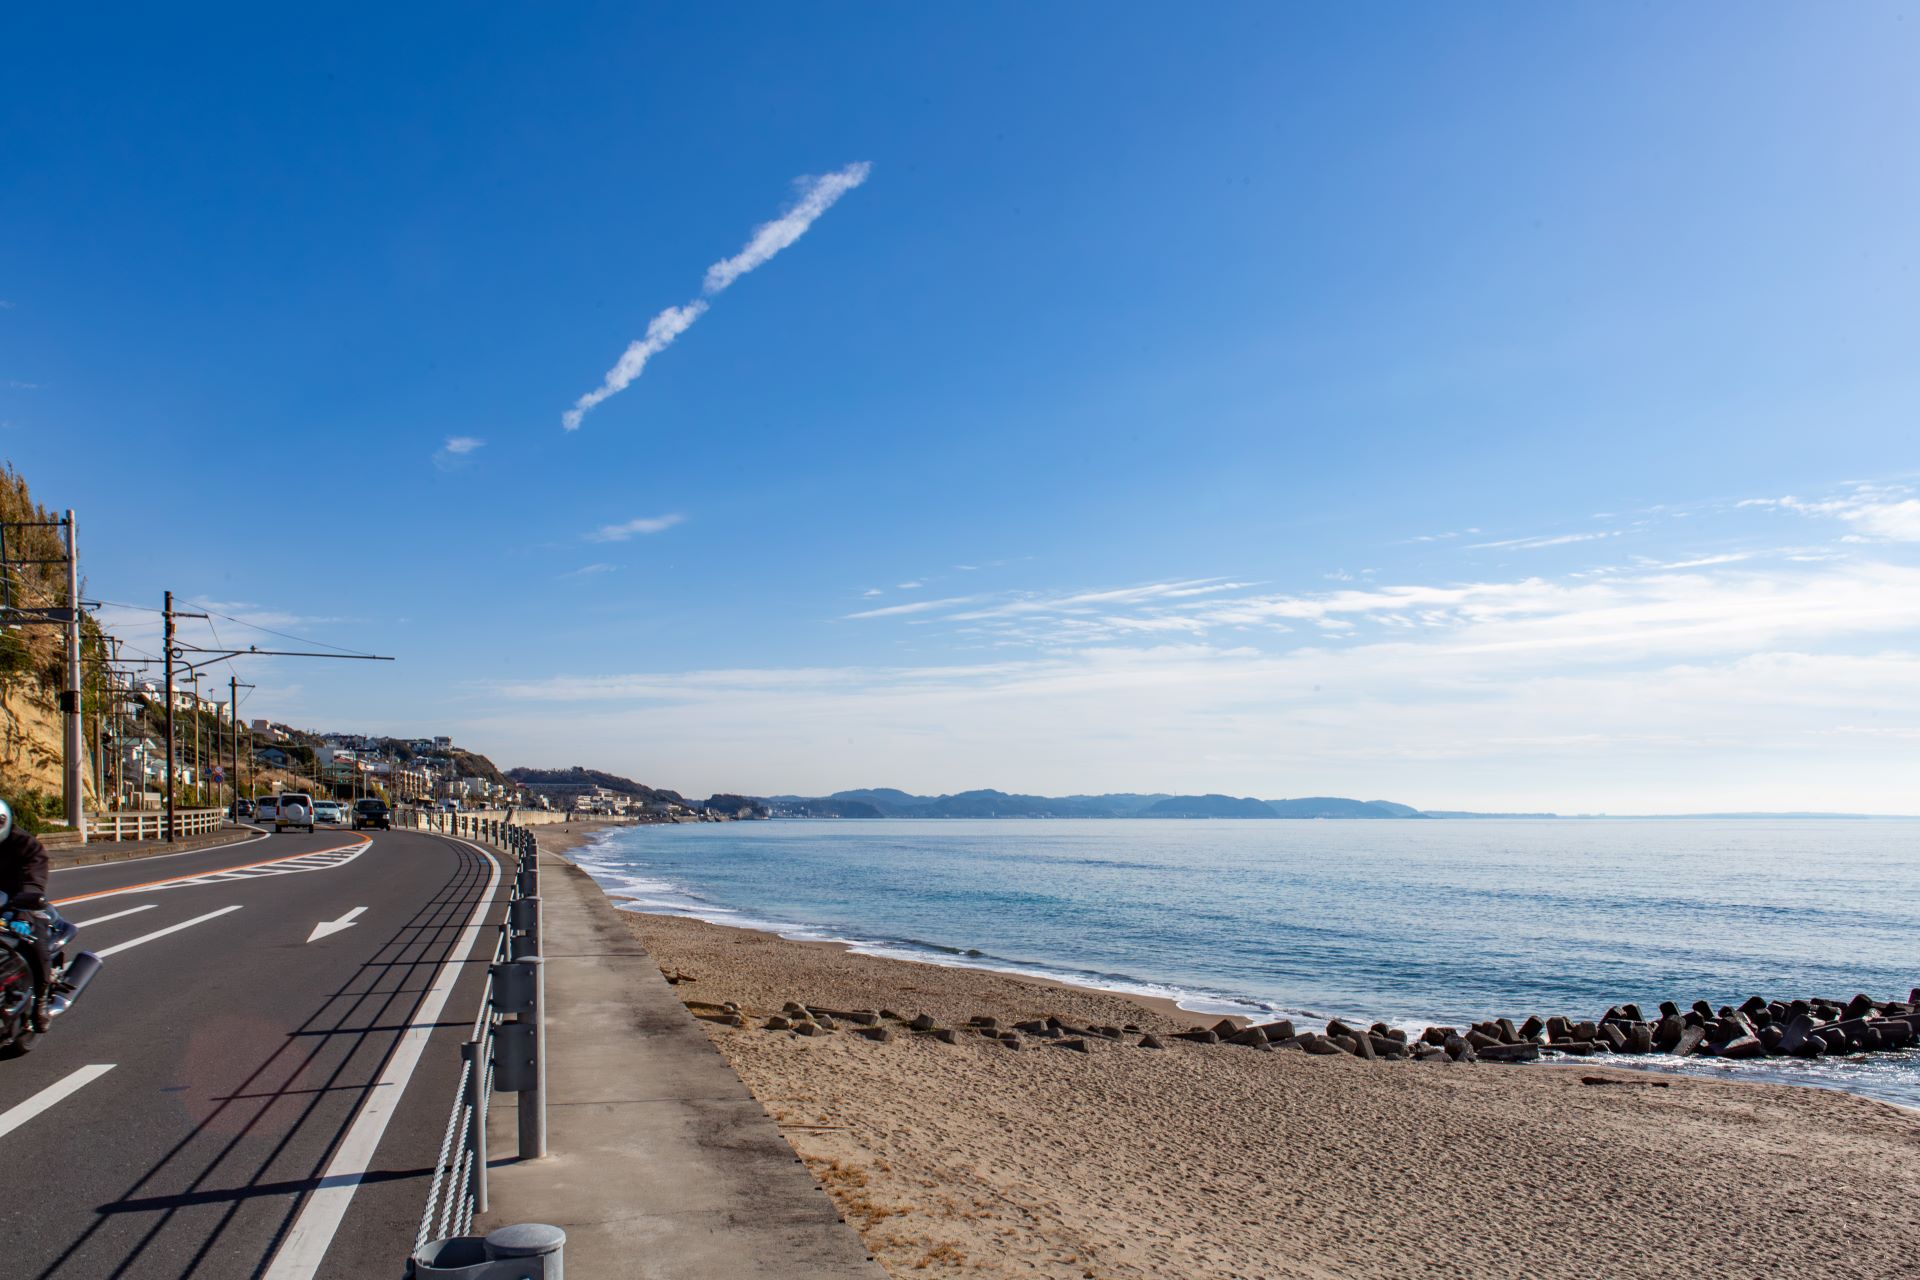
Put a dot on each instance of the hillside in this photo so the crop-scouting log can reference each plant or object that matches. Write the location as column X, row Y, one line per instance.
column 1339, row 807
column 890, row 802
column 33, row 663
column 578, row 775
column 1214, row 806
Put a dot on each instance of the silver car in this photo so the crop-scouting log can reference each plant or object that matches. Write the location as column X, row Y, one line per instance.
column 295, row 809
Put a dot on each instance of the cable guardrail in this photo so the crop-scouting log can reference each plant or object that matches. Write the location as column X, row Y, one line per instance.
column 505, row 1052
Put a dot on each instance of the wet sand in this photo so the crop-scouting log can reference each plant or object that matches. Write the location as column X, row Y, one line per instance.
column 1216, row 1161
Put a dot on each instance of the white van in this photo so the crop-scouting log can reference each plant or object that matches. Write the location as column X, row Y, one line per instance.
column 293, row 809
column 265, row 808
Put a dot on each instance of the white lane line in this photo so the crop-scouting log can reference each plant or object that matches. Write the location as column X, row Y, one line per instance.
column 313, row 1231
column 118, row 947
column 51, row 1095
column 130, row 911
column 326, row 928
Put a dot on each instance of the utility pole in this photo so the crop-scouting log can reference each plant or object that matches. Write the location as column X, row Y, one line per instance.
column 199, row 775
column 233, row 717
column 119, row 742
column 70, row 698
column 167, row 693
column 173, row 831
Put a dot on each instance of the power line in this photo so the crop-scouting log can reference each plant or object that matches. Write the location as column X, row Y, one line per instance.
column 281, row 634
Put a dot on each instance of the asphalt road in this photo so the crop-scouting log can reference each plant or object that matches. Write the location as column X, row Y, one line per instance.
column 179, row 1120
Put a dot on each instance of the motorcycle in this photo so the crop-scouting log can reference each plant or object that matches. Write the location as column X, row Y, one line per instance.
column 25, row 1010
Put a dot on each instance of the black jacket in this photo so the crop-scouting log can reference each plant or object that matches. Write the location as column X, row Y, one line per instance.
column 23, row 865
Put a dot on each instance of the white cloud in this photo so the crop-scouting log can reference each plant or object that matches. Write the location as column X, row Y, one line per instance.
column 1768, row 730
column 589, row 571
column 1875, row 512
column 1557, row 540
column 918, row 606
column 816, row 196
column 456, row 451
column 909, row 586
column 628, row 529
column 661, row 332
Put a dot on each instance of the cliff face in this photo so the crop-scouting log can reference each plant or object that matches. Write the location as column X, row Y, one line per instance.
column 33, row 656
column 30, row 744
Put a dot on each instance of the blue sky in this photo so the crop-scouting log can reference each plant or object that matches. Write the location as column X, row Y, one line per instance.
column 1485, row 407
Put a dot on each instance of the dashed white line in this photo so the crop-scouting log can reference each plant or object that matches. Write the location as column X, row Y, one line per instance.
column 130, row 911
column 51, row 1095
column 161, row 933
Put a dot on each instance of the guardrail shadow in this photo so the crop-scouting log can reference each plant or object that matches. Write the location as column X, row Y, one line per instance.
column 324, row 1059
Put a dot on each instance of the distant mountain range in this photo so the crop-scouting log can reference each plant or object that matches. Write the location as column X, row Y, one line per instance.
column 886, row 802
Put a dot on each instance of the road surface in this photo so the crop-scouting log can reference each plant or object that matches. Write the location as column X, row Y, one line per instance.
column 238, row 1093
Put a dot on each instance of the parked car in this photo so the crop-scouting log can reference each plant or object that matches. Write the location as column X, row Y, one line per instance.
column 294, row 809
column 265, row 808
column 331, row 812
column 372, row 813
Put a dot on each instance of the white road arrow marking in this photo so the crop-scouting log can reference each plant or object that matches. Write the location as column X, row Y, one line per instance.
column 326, row 927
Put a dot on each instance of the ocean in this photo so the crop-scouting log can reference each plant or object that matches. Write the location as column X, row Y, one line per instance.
column 1408, row 922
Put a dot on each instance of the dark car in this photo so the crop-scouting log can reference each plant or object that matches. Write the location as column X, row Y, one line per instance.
column 242, row 808
column 372, row 813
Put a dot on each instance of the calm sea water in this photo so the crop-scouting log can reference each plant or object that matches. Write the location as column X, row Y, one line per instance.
column 1410, row 922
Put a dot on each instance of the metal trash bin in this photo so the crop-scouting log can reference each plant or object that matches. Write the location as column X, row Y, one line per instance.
column 526, row 1251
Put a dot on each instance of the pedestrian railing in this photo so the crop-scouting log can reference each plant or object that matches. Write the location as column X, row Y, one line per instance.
column 151, row 824
column 505, row 1052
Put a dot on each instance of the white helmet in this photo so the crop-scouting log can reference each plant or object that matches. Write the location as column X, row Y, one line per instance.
column 6, row 820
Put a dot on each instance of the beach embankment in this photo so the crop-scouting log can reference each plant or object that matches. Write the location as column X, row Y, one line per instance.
column 1082, row 1156
column 659, row 1163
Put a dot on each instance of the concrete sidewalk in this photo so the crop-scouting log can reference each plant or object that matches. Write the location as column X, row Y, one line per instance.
column 660, row 1163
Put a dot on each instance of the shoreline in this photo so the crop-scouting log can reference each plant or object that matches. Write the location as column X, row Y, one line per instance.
column 1171, row 1016
column 1238, row 1008
column 1216, row 1162
column 1882, row 1075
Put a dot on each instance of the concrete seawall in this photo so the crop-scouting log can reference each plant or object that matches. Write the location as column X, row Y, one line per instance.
column 661, row 1163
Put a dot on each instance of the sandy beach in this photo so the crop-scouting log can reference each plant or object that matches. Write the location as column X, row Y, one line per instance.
column 1217, row 1161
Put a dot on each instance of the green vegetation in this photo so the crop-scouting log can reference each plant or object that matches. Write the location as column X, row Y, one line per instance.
column 34, row 811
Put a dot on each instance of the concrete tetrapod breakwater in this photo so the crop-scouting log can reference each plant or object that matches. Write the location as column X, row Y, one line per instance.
column 1805, row 1028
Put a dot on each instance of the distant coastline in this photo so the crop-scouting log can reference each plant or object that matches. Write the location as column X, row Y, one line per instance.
column 887, row 802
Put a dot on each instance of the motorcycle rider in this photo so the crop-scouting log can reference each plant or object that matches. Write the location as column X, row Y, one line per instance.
column 23, row 878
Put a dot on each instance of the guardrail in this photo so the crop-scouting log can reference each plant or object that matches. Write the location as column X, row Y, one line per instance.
column 505, row 1052
column 151, row 824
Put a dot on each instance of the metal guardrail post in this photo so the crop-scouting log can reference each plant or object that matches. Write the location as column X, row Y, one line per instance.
column 476, row 1063
column 524, row 917
column 533, row 1102
column 520, row 1046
